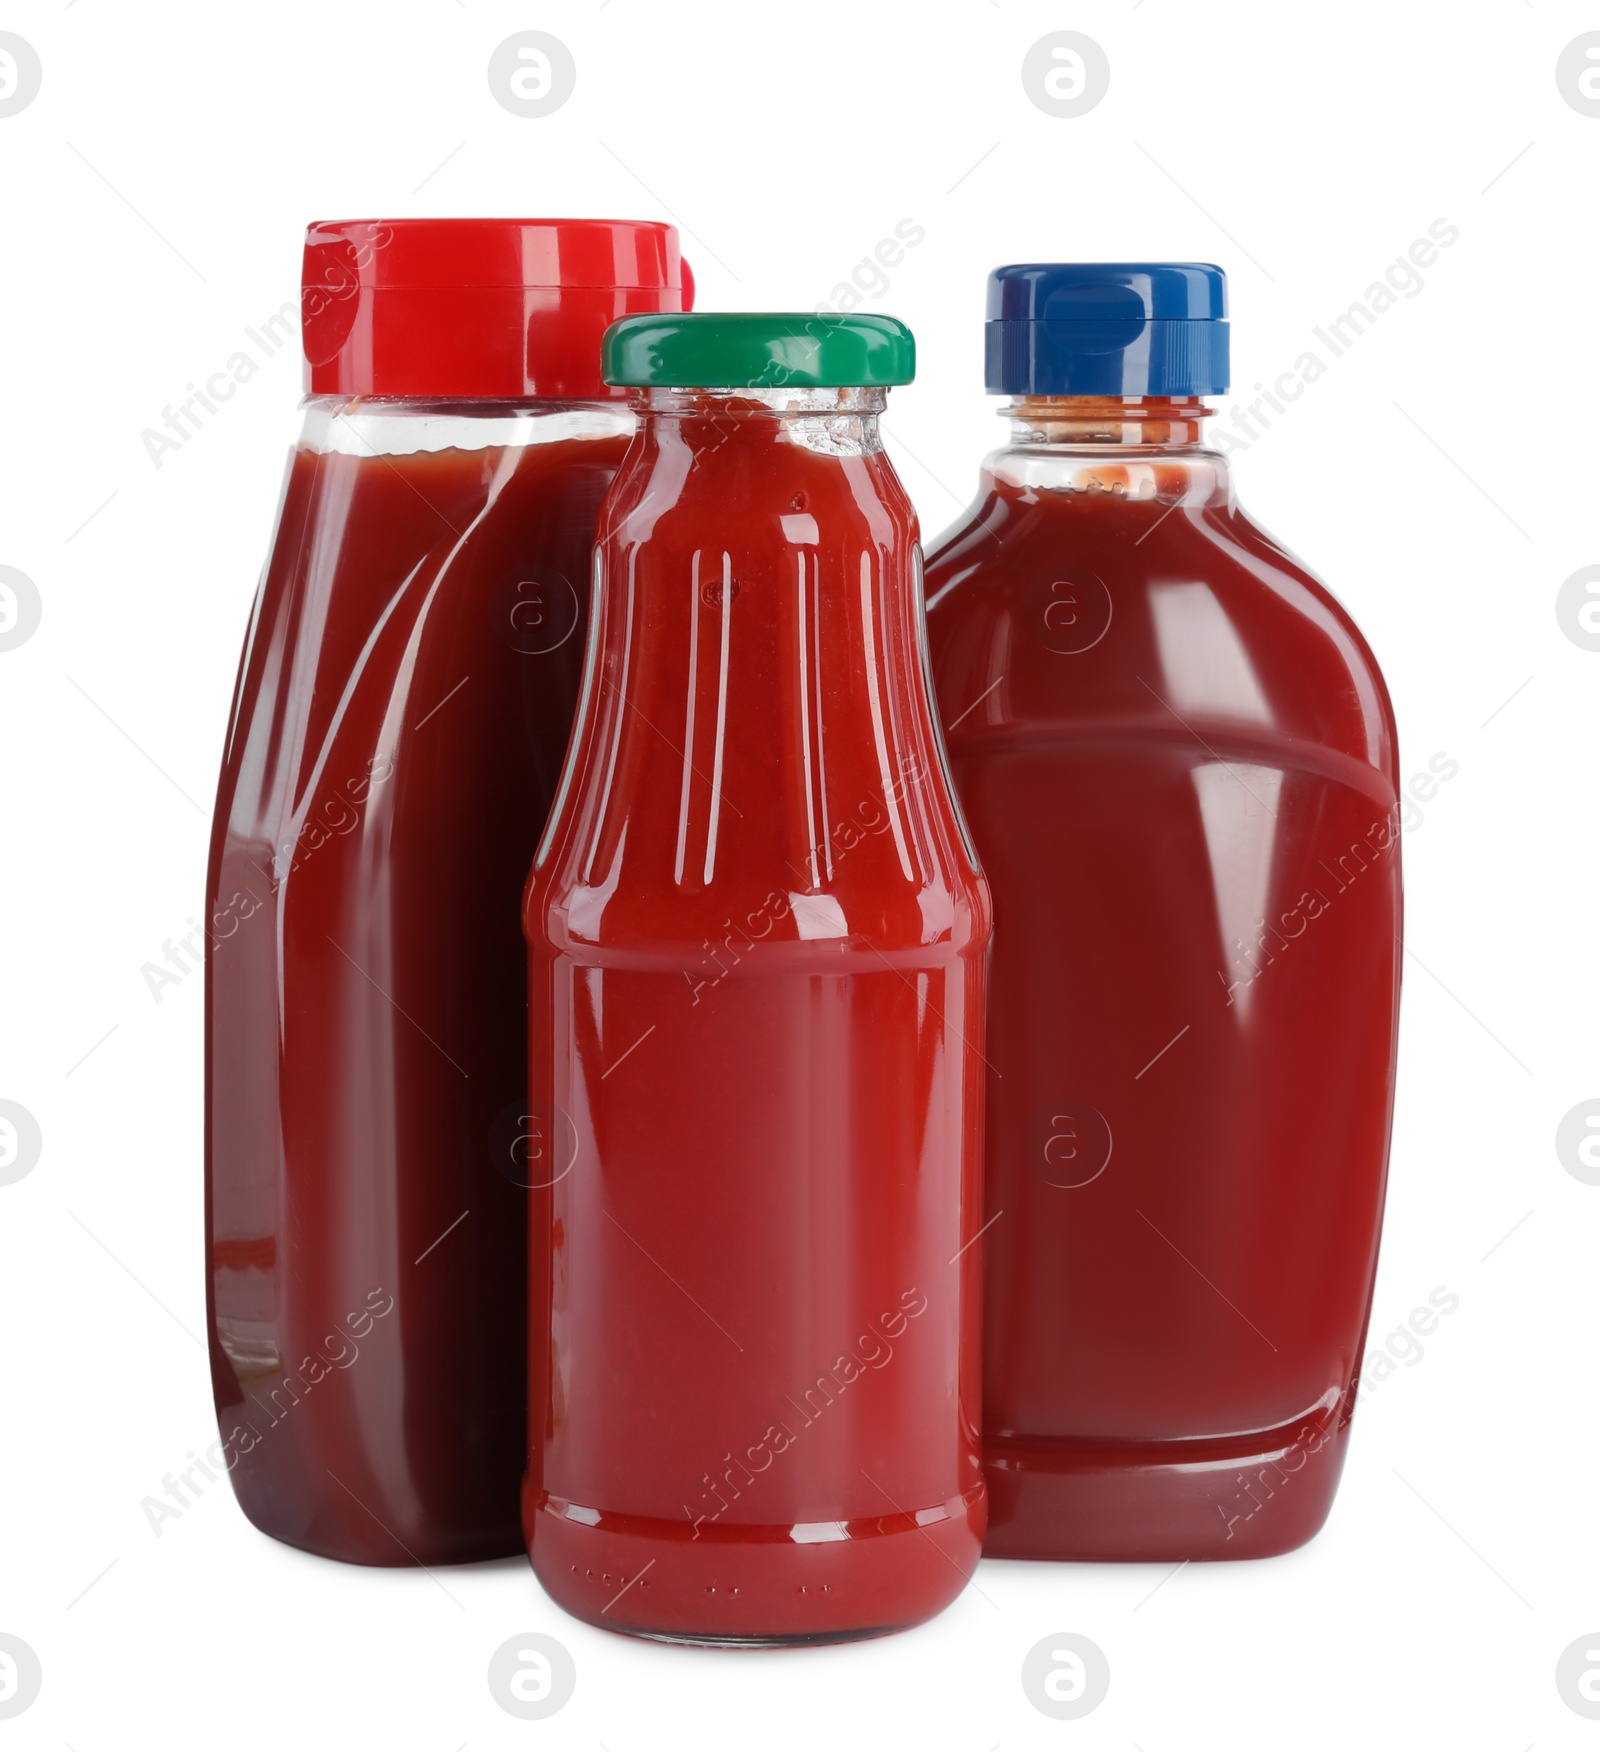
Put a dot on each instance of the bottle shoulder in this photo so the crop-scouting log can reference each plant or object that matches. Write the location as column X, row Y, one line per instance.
column 1183, row 618
column 755, row 503
column 757, row 755
column 647, row 862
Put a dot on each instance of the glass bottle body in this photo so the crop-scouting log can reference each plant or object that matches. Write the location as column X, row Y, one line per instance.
column 756, row 947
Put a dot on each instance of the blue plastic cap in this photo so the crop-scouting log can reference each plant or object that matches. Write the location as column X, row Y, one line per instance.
column 1107, row 328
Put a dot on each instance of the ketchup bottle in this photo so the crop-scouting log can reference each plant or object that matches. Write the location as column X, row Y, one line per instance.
column 403, row 706
column 1178, row 760
column 757, row 942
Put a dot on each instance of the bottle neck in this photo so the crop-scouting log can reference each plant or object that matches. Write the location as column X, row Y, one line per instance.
column 384, row 426
column 1107, row 422
column 1130, row 449
column 839, row 422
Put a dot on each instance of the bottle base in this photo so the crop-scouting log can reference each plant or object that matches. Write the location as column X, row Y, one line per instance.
column 754, row 1586
column 804, row 1641
column 387, row 1553
column 340, row 1526
column 1211, row 1499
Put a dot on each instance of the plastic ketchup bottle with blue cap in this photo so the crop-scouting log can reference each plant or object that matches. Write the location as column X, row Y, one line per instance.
column 757, row 946
column 1177, row 758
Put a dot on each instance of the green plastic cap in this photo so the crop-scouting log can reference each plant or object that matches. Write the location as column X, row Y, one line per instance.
column 765, row 350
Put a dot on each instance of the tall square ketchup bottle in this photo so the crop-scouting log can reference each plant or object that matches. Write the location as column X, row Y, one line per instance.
column 757, row 945
column 1178, row 760
column 403, row 704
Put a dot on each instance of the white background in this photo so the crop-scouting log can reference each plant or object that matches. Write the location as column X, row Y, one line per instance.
column 1441, row 476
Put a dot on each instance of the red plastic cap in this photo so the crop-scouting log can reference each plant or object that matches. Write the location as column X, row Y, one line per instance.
column 478, row 307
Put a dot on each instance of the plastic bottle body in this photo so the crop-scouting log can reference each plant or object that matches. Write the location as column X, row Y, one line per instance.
column 1177, row 758
column 402, row 710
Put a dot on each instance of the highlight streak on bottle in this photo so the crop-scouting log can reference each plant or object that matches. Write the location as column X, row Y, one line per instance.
column 801, row 630
column 890, row 793
column 722, row 715
column 688, row 714
column 816, row 670
column 619, row 688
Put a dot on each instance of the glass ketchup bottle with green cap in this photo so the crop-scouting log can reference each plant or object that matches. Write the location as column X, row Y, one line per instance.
column 757, row 941
column 1178, row 759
